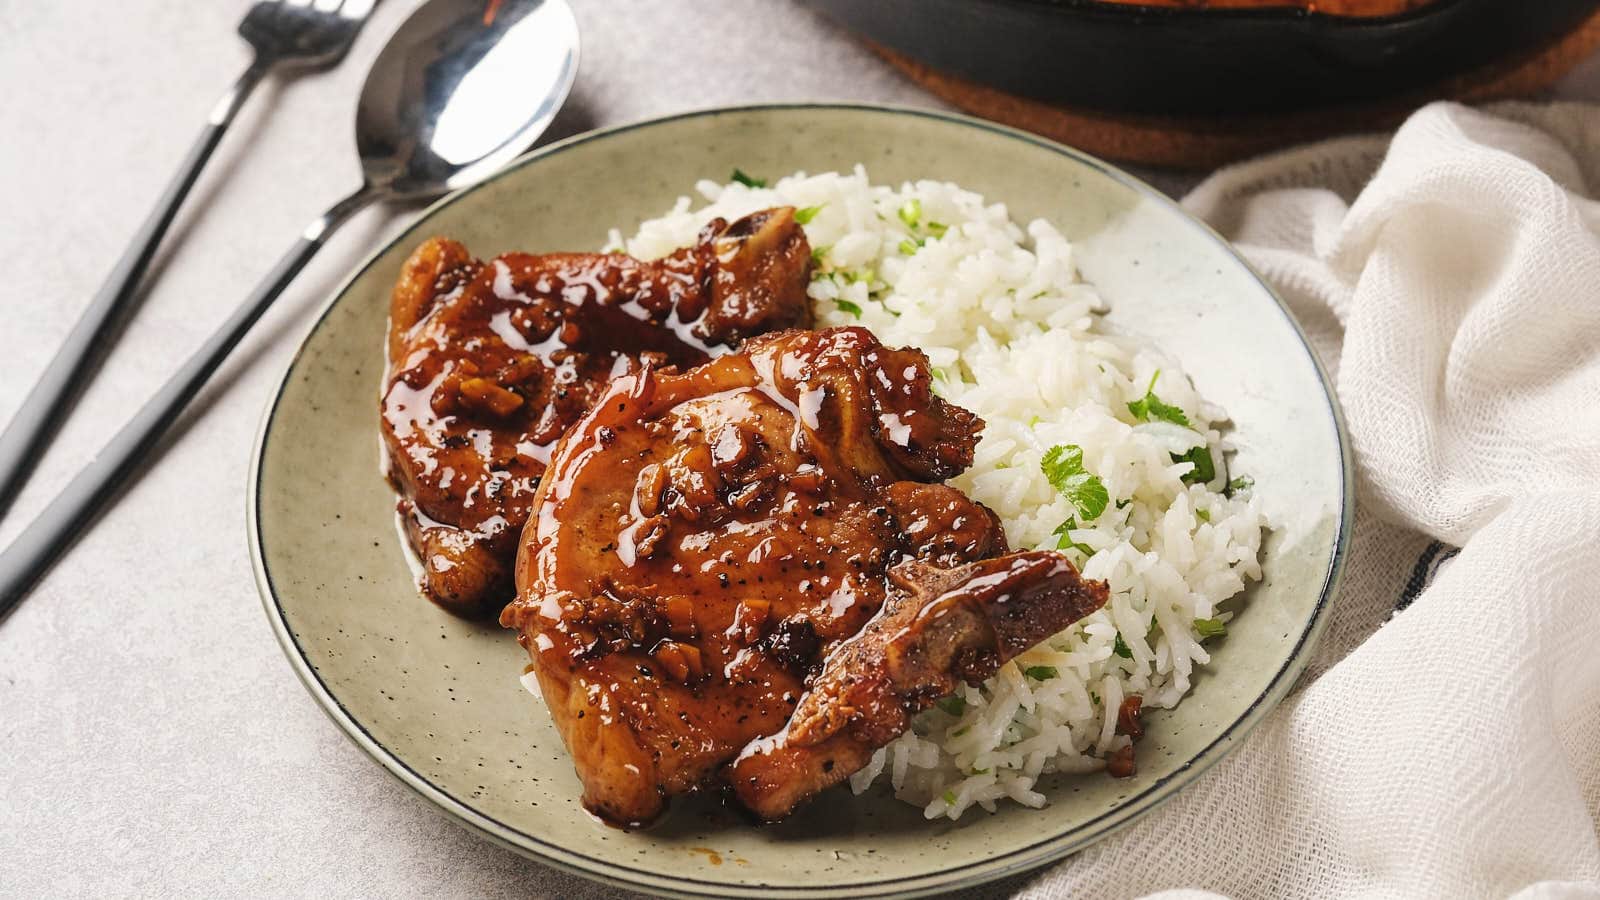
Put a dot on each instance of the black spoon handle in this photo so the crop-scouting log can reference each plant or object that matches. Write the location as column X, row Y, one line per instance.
column 29, row 431
column 48, row 536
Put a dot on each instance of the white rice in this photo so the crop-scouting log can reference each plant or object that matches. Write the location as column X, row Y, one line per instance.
column 1013, row 335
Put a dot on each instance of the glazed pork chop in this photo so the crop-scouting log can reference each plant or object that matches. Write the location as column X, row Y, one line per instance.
column 707, row 546
column 490, row 362
column 938, row 627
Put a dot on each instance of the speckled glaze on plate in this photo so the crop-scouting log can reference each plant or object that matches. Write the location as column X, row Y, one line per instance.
column 436, row 700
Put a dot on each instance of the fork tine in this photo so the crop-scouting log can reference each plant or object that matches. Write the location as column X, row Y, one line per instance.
column 309, row 32
column 356, row 10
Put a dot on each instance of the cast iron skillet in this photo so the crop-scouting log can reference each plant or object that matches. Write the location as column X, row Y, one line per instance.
column 1187, row 60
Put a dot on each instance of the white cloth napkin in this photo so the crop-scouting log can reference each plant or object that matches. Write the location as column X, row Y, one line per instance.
column 1446, row 741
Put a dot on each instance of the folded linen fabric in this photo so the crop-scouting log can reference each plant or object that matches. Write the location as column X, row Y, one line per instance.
column 1446, row 740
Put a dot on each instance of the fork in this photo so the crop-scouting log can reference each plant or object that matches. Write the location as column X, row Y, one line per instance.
column 305, row 35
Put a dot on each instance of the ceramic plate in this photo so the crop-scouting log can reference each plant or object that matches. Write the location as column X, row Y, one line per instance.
column 436, row 700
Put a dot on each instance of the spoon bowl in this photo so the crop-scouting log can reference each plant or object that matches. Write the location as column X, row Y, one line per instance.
column 462, row 88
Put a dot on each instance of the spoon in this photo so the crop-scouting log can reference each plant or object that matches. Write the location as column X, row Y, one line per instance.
column 461, row 89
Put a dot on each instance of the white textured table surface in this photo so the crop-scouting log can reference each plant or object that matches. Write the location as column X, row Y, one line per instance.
column 153, row 739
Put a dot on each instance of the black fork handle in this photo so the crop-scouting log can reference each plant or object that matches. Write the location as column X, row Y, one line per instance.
column 53, row 532
column 29, row 432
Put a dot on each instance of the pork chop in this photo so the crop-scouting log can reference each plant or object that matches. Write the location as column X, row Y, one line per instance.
column 704, row 539
column 938, row 628
column 489, row 363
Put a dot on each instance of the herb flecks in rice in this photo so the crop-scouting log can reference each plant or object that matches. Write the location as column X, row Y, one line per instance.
column 1013, row 334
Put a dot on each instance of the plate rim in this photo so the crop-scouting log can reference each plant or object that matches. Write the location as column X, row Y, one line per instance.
column 1031, row 856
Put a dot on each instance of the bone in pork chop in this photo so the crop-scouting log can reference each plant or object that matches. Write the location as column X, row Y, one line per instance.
column 490, row 362
column 938, row 628
column 703, row 540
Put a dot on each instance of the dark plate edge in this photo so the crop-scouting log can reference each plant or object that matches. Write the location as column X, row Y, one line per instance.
column 1197, row 14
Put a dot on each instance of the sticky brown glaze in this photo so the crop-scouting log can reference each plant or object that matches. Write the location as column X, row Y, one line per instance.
column 939, row 627
column 702, row 538
column 1121, row 763
column 489, row 363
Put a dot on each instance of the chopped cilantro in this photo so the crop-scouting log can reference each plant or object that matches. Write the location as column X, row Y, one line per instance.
column 1149, row 408
column 940, row 374
column 1064, row 542
column 910, row 247
column 1034, row 421
column 1121, row 649
column 1242, row 483
column 1041, row 673
column 937, row 229
column 1095, row 697
column 1204, row 469
column 1202, row 515
column 853, row 309
column 1123, row 503
column 954, row 705
column 1210, row 628
column 949, row 798
column 805, row 216
column 980, row 771
column 1063, row 465
column 817, row 254
column 747, row 181
column 910, row 212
